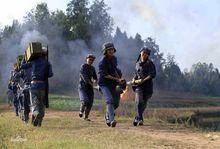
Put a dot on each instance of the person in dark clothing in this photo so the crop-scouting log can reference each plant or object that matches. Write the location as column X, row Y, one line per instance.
column 41, row 69
column 143, row 83
column 88, row 77
column 109, row 77
column 26, row 76
column 10, row 93
column 14, row 87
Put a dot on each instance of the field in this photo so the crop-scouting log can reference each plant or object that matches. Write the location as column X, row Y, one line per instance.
column 63, row 129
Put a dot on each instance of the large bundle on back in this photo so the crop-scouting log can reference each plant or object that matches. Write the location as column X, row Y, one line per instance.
column 34, row 50
column 19, row 59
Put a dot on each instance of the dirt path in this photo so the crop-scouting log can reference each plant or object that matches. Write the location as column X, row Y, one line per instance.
column 68, row 129
column 187, row 137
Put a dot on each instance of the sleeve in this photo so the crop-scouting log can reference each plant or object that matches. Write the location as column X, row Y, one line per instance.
column 119, row 72
column 135, row 74
column 152, row 70
column 94, row 74
column 84, row 74
column 50, row 71
column 9, row 86
column 26, row 65
column 103, row 69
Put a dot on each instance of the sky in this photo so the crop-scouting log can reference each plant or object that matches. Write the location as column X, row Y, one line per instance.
column 188, row 29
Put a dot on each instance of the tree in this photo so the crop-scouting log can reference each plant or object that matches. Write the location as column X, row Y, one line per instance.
column 139, row 41
column 101, row 23
column 39, row 19
column 77, row 15
column 173, row 74
column 205, row 79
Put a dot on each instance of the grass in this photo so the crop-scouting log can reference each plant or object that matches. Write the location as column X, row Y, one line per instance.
column 68, row 103
column 64, row 130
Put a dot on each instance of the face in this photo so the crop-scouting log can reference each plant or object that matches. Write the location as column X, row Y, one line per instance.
column 89, row 61
column 110, row 52
column 144, row 56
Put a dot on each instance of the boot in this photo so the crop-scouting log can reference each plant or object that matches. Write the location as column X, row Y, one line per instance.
column 135, row 122
column 107, row 121
column 113, row 123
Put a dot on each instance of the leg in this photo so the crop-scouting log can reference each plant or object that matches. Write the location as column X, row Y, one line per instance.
column 82, row 108
column 89, row 103
column 139, row 106
column 36, row 106
column 139, row 103
column 26, row 105
column 41, row 107
column 83, row 98
column 116, row 100
column 145, row 100
column 109, row 105
column 15, row 102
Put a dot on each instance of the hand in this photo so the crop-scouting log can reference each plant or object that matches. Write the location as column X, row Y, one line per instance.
column 138, row 81
column 90, row 83
column 133, row 81
column 121, row 80
column 95, row 83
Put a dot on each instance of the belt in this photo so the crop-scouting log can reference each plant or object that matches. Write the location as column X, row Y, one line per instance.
column 35, row 81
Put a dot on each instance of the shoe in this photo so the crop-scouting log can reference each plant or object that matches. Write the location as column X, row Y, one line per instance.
column 135, row 122
column 108, row 123
column 87, row 119
column 80, row 114
column 113, row 123
column 140, row 123
column 35, row 120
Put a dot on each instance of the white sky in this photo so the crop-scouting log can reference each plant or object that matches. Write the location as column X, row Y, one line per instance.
column 188, row 29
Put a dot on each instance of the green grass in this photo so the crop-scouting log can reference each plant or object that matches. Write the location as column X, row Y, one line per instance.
column 68, row 103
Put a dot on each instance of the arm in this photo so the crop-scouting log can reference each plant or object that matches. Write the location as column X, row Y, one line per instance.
column 50, row 71
column 152, row 73
column 26, row 65
column 103, row 71
column 84, row 75
column 94, row 75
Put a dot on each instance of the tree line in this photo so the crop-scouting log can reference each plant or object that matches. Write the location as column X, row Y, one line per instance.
column 82, row 29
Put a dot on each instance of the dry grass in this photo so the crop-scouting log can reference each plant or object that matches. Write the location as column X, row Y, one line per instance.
column 66, row 130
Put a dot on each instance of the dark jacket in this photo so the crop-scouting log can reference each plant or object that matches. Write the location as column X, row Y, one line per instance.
column 87, row 72
column 13, row 87
column 41, row 69
column 26, row 74
column 144, row 69
column 108, row 67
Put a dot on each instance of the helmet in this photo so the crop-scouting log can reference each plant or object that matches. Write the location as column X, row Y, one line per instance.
column 107, row 46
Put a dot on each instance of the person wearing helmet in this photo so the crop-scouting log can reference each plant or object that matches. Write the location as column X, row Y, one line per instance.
column 109, row 77
column 26, row 76
column 143, row 83
column 88, row 77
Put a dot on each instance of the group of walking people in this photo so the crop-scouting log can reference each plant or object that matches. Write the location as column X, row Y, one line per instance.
column 111, row 83
column 29, row 85
column 28, row 88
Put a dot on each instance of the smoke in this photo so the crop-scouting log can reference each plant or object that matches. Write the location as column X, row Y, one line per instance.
column 33, row 36
column 10, row 49
column 182, row 28
column 148, row 13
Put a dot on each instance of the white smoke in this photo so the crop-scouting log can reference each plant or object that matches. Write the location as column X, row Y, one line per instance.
column 33, row 36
